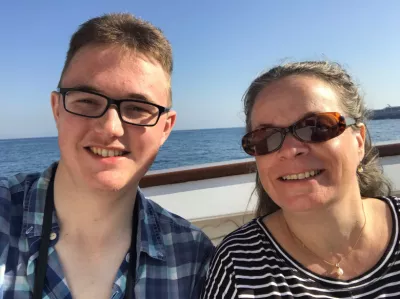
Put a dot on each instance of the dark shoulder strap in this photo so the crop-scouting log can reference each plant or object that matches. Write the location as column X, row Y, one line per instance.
column 131, row 279
column 41, row 265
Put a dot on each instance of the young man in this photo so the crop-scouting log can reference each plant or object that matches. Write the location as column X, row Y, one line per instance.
column 82, row 228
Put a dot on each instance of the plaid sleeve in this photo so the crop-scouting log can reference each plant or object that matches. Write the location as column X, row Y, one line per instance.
column 204, row 255
column 5, row 214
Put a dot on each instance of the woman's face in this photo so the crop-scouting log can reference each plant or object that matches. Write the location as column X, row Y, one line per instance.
column 335, row 161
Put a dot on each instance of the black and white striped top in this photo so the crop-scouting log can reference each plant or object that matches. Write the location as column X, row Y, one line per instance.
column 250, row 264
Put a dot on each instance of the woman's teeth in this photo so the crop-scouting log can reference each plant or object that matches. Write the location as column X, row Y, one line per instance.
column 301, row 176
column 106, row 153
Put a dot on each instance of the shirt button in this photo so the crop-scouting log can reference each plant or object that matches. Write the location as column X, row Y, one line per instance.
column 127, row 258
column 53, row 236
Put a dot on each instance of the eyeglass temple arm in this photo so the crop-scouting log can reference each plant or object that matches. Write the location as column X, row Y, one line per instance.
column 350, row 121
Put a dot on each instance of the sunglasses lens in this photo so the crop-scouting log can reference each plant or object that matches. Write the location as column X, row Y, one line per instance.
column 320, row 127
column 262, row 141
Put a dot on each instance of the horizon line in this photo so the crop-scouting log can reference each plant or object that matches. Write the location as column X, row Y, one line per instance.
column 56, row 136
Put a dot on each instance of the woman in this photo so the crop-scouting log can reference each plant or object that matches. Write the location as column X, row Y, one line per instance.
column 326, row 227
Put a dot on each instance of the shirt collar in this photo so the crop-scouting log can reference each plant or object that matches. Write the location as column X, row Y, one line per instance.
column 149, row 230
column 151, row 239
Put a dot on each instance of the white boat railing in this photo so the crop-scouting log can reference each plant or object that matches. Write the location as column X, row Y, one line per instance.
column 218, row 197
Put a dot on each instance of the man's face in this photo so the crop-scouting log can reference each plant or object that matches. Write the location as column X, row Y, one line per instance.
column 119, row 74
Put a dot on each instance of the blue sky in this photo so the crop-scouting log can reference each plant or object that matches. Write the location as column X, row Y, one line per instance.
column 219, row 47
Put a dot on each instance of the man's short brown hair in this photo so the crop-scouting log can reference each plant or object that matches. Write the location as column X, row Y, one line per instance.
column 127, row 31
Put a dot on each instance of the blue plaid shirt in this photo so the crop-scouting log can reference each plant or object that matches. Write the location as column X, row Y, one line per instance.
column 173, row 254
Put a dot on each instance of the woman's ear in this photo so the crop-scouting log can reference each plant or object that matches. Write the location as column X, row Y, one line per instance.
column 360, row 134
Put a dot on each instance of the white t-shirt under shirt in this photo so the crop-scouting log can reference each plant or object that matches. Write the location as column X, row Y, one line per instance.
column 249, row 263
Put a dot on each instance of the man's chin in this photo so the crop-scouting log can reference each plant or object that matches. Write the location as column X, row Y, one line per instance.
column 115, row 178
column 111, row 183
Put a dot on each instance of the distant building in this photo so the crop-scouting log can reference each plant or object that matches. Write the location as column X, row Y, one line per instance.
column 386, row 113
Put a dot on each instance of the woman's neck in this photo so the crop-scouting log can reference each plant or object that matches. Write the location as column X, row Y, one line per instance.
column 331, row 232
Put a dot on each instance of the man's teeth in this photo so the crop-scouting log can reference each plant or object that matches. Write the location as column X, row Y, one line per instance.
column 106, row 153
column 301, row 176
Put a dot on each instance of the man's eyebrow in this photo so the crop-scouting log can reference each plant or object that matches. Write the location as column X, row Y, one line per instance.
column 133, row 96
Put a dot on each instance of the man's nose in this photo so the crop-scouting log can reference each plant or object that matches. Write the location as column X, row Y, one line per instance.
column 110, row 123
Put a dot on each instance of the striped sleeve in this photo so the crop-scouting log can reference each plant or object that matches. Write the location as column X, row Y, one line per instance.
column 220, row 283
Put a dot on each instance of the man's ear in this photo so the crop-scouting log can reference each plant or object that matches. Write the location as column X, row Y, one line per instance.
column 169, row 124
column 55, row 106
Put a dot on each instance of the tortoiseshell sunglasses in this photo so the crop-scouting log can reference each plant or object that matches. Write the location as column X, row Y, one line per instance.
column 313, row 128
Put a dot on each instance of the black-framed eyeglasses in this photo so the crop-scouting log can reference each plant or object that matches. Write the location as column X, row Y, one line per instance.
column 313, row 128
column 91, row 104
